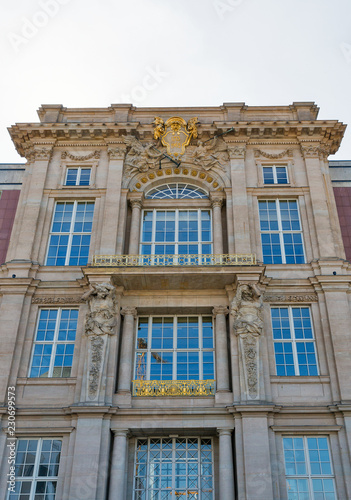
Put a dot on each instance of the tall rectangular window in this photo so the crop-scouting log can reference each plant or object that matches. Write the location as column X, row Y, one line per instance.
column 275, row 174
column 281, row 233
column 78, row 176
column 70, row 234
column 54, row 343
column 176, row 232
column 294, row 346
column 173, row 468
column 308, row 468
column 37, row 465
column 175, row 348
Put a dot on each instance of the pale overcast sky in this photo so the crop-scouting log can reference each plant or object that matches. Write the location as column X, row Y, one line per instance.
column 89, row 53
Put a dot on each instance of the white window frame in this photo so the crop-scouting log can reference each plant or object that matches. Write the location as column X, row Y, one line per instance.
column 293, row 341
column 78, row 176
column 35, row 478
column 71, row 232
column 174, row 462
column 280, row 230
column 55, row 342
column 174, row 350
column 157, row 189
column 309, row 476
column 176, row 241
column 275, row 179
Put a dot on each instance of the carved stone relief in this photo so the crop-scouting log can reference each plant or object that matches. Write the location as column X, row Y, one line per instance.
column 246, row 309
column 272, row 156
column 276, row 297
column 57, row 300
column 100, row 323
column 94, row 154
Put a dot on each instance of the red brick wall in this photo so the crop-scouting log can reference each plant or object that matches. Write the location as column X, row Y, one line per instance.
column 8, row 205
column 343, row 203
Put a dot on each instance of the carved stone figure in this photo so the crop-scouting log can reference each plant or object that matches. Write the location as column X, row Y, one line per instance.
column 213, row 154
column 99, row 324
column 246, row 309
column 141, row 157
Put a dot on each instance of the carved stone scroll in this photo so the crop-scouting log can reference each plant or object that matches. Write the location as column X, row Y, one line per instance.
column 246, row 309
column 100, row 323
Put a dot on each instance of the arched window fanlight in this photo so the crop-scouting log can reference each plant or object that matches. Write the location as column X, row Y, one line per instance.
column 176, row 191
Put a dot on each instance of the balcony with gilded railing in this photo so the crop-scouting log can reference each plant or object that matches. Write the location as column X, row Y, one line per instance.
column 165, row 260
column 169, row 388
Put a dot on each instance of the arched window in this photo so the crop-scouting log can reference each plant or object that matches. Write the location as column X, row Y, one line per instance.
column 176, row 191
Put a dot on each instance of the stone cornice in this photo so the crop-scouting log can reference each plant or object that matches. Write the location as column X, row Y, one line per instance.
column 329, row 133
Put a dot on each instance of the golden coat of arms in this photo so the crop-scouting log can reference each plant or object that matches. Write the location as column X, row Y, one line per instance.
column 175, row 134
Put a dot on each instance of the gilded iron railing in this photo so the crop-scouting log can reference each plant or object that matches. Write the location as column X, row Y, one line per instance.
column 175, row 260
column 173, row 388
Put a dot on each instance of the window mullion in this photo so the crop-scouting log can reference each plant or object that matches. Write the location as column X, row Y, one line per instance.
column 153, row 237
column 293, row 341
column 148, row 352
column 308, row 466
column 36, row 468
column 275, row 180
column 176, row 233
column 175, row 358
column 70, row 237
column 54, row 343
column 201, row 374
column 281, row 233
column 78, row 176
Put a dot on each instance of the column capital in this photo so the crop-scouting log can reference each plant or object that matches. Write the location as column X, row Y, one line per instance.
column 116, row 153
column 120, row 432
column 224, row 432
column 237, row 151
column 315, row 150
column 129, row 311
column 39, row 152
column 220, row 310
column 136, row 199
column 216, row 198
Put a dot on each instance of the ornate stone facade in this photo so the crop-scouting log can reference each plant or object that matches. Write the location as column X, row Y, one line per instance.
column 136, row 315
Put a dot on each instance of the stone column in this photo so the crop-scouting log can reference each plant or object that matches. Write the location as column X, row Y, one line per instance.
column 319, row 196
column 118, row 481
column 239, row 198
column 136, row 202
column 226, row 470
column 112, row 201
column 217, row 201
column 126, row 359
column 222, row 364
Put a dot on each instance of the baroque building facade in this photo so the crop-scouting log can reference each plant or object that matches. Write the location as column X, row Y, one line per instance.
column 175, row 307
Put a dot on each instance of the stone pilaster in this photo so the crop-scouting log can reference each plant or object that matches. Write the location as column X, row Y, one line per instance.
column 313, row 155
column 237, row 154
column 25, row 231
column 112, row 200
column 256, row 451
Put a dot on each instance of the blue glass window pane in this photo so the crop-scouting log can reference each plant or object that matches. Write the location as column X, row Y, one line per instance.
column 71, row 178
